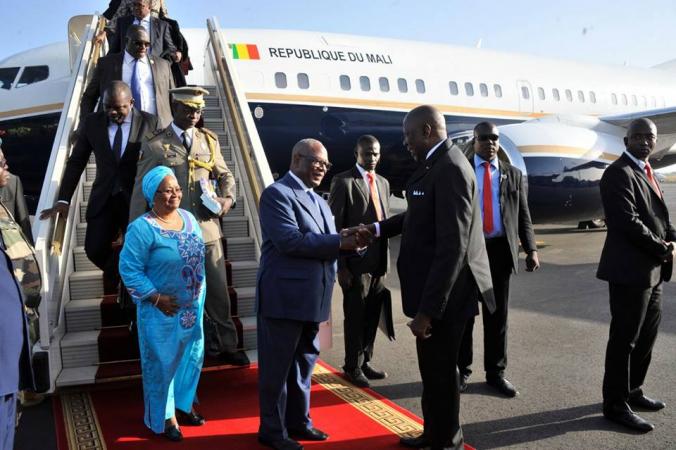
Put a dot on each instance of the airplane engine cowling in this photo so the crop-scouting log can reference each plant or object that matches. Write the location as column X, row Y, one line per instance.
column 563, row 158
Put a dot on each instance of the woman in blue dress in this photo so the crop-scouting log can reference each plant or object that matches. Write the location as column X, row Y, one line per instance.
column 162, row 266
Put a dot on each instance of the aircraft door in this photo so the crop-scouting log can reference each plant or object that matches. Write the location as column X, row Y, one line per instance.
column 525, row 93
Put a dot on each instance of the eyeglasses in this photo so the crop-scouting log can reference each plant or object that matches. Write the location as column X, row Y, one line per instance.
column 487, row 137
column 318, row 163
column 171, row 191
column 144, row 44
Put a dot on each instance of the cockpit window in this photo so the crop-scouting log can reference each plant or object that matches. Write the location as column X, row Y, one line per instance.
column 7, row 76
column 33, row 74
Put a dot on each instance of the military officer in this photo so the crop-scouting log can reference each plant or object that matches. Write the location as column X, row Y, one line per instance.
column 195, row 157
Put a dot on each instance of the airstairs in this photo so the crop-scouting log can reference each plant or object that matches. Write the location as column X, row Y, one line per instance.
column 82, row 329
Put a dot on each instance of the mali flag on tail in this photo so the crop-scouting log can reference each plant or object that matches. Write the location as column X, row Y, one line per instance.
column 244, row 51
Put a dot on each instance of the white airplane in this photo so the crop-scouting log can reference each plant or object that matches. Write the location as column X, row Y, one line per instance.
column 561, row 122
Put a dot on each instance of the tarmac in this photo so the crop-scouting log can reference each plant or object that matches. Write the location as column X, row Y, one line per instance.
column 558, row 331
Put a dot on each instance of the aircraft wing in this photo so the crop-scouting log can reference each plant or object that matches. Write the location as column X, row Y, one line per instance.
column 665, row 120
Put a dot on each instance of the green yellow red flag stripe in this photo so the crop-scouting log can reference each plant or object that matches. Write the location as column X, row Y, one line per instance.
column 244, row 51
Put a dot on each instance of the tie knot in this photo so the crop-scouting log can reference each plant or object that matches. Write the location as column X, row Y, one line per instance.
column 486, row 165
column 370, row 176
column 648, row 168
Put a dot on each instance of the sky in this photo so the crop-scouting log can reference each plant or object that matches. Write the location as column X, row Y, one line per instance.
column 634, row 33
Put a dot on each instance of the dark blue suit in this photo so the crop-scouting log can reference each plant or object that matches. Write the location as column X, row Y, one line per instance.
column 293, row 295
column 15, row 368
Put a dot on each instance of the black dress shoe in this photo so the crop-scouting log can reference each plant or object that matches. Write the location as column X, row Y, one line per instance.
column 356, row 377
column 282, row 444
column 645, row 403
column 371, row 373
column 173, row 434
column 192, row 418
column 414, row 442
column 464, row 378
column 626, row 417
column 236, row 358
column 503, row 386
column 308, row 434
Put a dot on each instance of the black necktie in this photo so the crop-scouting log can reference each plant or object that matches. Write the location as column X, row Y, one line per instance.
column 117, row 143
column 186, row 141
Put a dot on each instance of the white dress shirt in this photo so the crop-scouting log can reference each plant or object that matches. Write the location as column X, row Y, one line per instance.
column 147, row 86
column 145, row 23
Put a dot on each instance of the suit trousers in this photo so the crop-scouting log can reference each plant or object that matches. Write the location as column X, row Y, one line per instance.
column 7, row 421
column 103, row 229
column 287, row 353
column 495, row 324
column 219, row 329
column 361, row 311
column 437, row 361
column 635, row 318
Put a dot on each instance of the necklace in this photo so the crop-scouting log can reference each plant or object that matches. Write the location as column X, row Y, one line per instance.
column 157, row 216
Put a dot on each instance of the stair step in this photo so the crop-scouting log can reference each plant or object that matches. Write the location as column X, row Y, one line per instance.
column 249, row 332
column 80, row 233
column 83, row 315
column 86, row 190
column 82, row 263
column 235, row 226
column 90, row 171
column 246, row 301
column 244, row 273
column 85, row 285
column 241, row 249
column 80, row 349
column 75, row 376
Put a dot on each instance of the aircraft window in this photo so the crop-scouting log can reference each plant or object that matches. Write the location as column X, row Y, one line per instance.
column 653, row 102
column 525, row 92
column 624, row 99
column 556, row 95
column 365, row 83
column 33, row 74
column 420, row 86
column 7, row 76
column 453, row 86
column 541, row 93
column 613, row 98
column 303, row 81
column 498, row 90
column 580, row 96
column 483, row 89
column 634, row 101
column 569, row 95
column 402, row 85
column 592, row 96
column 469, row 89
column 280, row 80
column 345, row 83
column 384, row 84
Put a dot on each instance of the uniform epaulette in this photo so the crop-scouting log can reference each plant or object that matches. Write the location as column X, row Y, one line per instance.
column 209, row 133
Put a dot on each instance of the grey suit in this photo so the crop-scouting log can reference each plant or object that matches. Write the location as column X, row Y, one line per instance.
column 109, row 68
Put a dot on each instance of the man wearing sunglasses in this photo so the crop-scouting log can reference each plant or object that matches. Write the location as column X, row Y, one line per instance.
column 148, row 76
column 506, row 221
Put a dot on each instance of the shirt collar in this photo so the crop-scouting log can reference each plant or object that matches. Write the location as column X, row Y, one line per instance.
column 363, row 171
column 129, row 59
column 300, row 182
column 179, row 131
column 143, row 19
column 478, row 161
column 127, row 120
column 433, row 149
column 639, row 163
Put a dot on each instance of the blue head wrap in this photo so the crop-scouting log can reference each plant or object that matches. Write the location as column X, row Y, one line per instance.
column 152, row 180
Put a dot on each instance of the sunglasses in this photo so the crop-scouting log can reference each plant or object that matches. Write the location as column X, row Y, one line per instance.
column 487, row 137
column 141, row 44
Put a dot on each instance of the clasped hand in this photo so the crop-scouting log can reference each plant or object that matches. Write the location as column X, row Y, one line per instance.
column 355, row 238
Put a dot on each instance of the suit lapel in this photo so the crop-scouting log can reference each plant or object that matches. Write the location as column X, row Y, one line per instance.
column 104, row 139
column 136, row 120
column 361, row 184
column 643, row 177
column 429, row 162
column 305, row 201
column 502, row 182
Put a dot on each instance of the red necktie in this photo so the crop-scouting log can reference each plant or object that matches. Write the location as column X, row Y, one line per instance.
column 488, row 199
column 651, row 178
column 374, row 195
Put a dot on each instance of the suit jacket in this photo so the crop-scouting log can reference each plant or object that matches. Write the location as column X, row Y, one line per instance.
column 638, row 223
column 161, row 44
column 14, row 375
column 351, row 204
column 109, row 68
column 442, row 240
column 164, row 148
column 298, row 256
column 514, row 210
column 12, row 197
column 111, row 172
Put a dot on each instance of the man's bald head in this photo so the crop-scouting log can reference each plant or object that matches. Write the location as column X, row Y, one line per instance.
column 117, row 101
column 310, row 161
column 641, row 138
column 424, row 127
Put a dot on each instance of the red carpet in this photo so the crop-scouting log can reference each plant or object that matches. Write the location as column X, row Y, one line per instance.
column 112, row 417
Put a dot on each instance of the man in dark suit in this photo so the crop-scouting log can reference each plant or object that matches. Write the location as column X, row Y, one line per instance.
column 114, row 135
column 11, row 195
column 15, row 355
column 636, row 258
column 359, row 195
column 506, row 220
column 161, row 44
column 293, row 294
column 149, row 78
column 442, row 266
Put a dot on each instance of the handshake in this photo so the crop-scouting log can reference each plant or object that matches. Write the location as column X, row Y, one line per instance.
column 357, row 238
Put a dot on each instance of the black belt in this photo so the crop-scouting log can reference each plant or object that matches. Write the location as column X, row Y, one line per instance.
column 496, row 240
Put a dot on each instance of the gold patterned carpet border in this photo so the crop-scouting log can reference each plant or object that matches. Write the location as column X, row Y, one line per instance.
column 82, row 426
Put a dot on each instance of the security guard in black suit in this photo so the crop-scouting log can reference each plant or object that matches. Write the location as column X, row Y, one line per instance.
column 506, row 220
